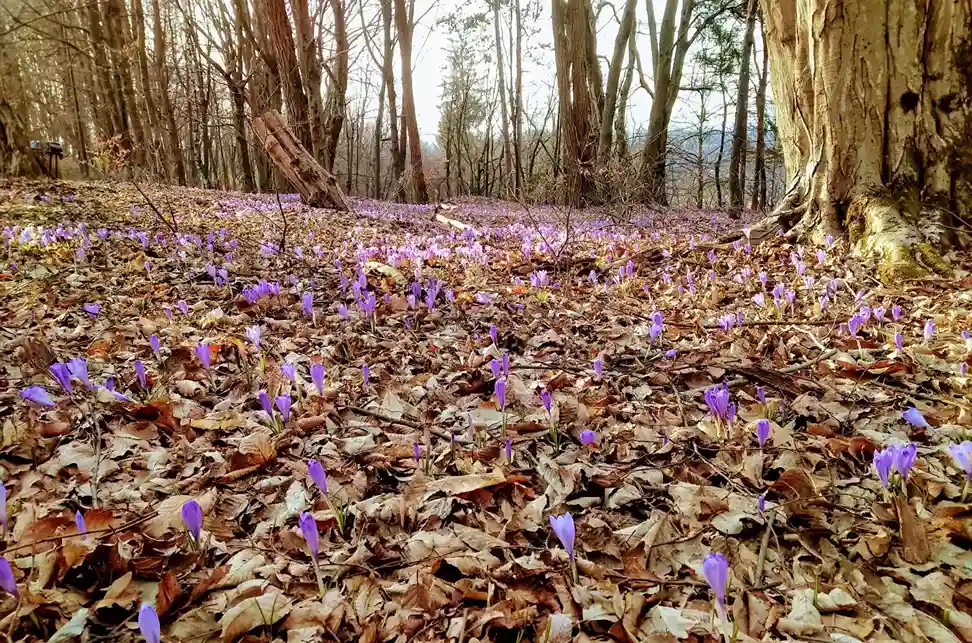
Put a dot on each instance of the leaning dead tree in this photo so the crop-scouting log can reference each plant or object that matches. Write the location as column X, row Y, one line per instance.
column 318, row 188
column 874, row 108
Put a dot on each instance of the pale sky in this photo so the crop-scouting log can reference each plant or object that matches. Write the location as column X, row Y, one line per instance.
column 431, row 43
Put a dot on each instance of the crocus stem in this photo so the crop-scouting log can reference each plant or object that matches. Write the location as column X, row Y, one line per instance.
column 317, row 574
column 965, row 490
column 573, row 570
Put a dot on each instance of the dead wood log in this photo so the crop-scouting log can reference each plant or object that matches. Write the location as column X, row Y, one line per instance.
column 318, row 188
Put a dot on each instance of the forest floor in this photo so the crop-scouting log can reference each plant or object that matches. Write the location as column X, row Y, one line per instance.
column 436, row 523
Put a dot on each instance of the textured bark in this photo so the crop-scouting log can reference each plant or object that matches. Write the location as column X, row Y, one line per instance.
column 576, row 80
column 310, row 73
column 614, row 78
column 395, row 148
column 317, row 186
column 173, row 149
column 518, row 103
column 759, row 162
column 144, row 83
column 740, row 127
column 337, row 88
column 109, row 117
column 669, row 50
column 403, row 20
column 504, row 112
column 282, row 40
column 874, row 109
column 119, row 37
column 16, row 158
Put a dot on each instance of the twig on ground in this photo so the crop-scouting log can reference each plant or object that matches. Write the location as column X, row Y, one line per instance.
column 784, row 371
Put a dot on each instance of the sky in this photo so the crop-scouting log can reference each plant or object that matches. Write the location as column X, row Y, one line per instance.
column 431, row 43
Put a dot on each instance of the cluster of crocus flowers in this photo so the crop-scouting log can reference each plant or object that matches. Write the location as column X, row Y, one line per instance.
column 717, row 399
column 895, row 458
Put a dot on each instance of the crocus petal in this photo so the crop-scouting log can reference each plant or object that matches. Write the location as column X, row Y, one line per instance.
column 308, row 527
column 192, row 517
column 148, row 623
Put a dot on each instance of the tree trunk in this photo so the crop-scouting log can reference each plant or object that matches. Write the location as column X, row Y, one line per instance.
column 614, row 78
column 740, row 134
column 337, row 87
column 504, row 115
column 145, row 84
column 282, row 40
column 573, row 37
column 518, row 104
column 310, row 73
column 318, row 187
column 404, row 22
column 395, row 148
column 120, row 39
column 172, row 148
column 874, row 121
column 759, row 163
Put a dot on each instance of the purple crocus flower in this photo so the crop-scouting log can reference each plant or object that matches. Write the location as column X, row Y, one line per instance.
column 79, row 522
column 3, row 507
column 494, row 333
column 547, row 400
column 317, row 376
column 78, row 368
column 759, row 299
column 883, row 463
column 588, row 437
column 929, row 329
column 761, row 503
column 760, row 394
column 963, row 369
column 283, row 405
column 308, row 527
column 92, row 309
column 265, row 403
column 365, row 374
column 563, row 527
column 962, row 453
column 307, row 302
column 192, row 517
column 509, row 449
column 289, row 371
column 417, row 452
column 717, row 399
column 7, row 581
column 154, row 343
column 715, row 568
column 183, row 306
column 506, row 364
column 879, row 312
column 762, row 431
column 140, row 374
column 204, row 353
column 896, row 312
column 904, row 459
column 317, row 473
column 914, row 417
column 500, row 390
column 253, row 334
column 899, row 341
column 853, row 325
column 598, row 368
column 495, row 368
column 62, row 374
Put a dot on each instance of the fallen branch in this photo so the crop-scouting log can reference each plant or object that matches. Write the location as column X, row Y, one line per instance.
column 783, row 371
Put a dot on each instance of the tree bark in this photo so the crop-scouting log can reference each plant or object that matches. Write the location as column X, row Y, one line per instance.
column 119, row 37
column 173, row 149
column 614, row 78
column 282, row 40
column 317, row 187
column 145, row 84
column 874, row 120
column 518, row 104
column 395, row 148
column 740, row 135
column 310, row 73
column 404, row 23
column 504, row 114
column 759, row 163
column 337, row 87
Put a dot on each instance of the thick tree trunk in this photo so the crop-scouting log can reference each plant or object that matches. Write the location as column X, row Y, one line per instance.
column 337, row 87
column 874, row 109
column 318, row 187
column 403, row 19
column 518, row 104
column 740, row 127
column 759, row 163
column 172, row 148
column 614, row 78
column 282, row 40
column 395, row 148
